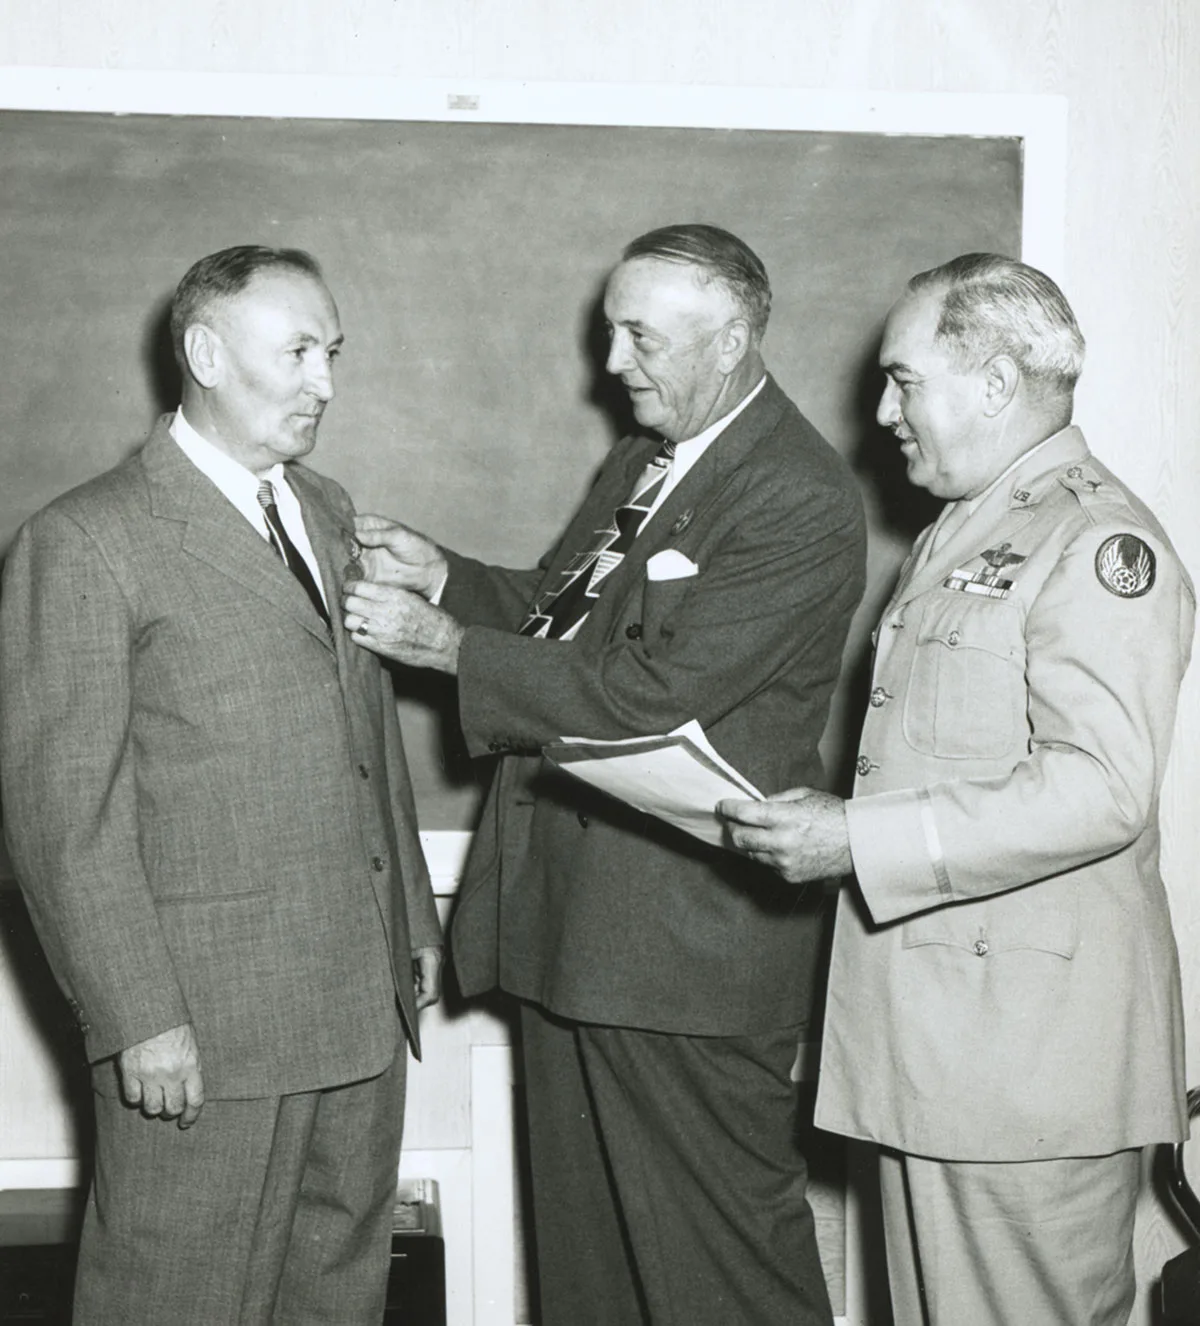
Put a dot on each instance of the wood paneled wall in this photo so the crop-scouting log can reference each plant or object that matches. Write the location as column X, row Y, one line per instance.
column 1133, row 194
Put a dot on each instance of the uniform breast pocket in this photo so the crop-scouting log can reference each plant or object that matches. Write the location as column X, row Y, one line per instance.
column 966, row 695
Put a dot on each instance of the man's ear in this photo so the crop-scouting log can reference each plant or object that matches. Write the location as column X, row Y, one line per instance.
column 202, row 348
column 733, row 344
column 1002, row 377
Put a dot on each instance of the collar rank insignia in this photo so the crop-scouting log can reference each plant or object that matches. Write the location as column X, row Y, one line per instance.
column 1022, row 495
column 1125, row 566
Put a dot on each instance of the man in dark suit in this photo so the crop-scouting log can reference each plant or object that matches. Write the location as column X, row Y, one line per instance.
column 209, row 812
column 710, row 575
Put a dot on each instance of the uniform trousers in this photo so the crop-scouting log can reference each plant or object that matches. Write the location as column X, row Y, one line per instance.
column 273, row 1210
column 1033, row 1243
column 668, row 1186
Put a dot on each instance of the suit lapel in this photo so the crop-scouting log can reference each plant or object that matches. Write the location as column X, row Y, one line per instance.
column 690, row 499
column 218, row 534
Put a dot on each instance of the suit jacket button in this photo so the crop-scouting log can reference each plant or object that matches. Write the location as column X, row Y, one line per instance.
column 863, row 766
column 378, row 863
column 582, row 818
column 880, row 697
column 981, row 948
column 634, row 630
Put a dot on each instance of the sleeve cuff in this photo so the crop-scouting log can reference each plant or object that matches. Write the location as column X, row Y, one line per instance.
column 897, row 854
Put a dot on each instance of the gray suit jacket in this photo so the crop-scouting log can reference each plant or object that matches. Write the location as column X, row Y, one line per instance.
column 205, row 793
column 576, row 901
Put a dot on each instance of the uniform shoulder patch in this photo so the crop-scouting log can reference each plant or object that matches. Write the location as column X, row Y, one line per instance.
column 1125, row 566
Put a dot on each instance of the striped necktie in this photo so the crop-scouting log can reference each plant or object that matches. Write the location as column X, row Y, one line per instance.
column 288, row 551
column 558, row 613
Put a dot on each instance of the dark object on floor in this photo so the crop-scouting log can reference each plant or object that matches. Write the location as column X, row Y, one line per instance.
column 1181, row 1275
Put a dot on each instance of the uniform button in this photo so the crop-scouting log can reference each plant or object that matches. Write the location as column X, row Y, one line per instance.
column 1074, row 472
column 981, row 948
column 953, row 638
column 363, row 771
column 863, row 766
column 378, row 863
column 880, row 697
column 494, row 747
column 897, row 623
column 582, row 818
column 634, row 630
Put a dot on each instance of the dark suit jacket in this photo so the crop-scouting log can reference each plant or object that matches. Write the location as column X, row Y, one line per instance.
column 577, row 902
column 205, row 793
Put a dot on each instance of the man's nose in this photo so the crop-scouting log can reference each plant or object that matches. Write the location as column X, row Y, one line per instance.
column 888, row 412
column 320, row 378
column 620, row 357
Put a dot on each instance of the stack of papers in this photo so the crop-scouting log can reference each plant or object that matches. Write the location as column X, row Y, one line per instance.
column 678, row 777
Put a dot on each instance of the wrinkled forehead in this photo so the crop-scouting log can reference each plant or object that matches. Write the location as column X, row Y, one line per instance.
column 277, row 300
column 910, row 331
column 639, row 285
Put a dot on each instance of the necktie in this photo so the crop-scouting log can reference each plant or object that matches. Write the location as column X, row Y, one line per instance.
column 287, row 550
column 560, row 612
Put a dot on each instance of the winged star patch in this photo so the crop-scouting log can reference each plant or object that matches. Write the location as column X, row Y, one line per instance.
column 1125, row 566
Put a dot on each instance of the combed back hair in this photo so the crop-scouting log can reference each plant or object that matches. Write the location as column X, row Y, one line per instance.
column 224, row 274
column 719, row 256
column 994, row 305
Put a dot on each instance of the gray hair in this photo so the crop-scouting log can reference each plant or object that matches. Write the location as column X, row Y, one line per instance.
column 719, row 256
column 221, row 275
column 994, row 305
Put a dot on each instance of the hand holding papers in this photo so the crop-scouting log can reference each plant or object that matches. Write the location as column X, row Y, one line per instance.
column 678, row 777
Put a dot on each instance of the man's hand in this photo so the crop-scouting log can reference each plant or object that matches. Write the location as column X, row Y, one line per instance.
column 427, row 975
column 800, row 833
column 162, row 1075
column 401, row 625
column 398, row 556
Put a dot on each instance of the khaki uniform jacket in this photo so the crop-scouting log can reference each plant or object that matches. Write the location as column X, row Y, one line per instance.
column 575, row 901
column 1004, row 981
column 205, row 792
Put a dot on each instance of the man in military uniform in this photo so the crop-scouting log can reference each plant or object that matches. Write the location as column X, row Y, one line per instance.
column 1004, row 1009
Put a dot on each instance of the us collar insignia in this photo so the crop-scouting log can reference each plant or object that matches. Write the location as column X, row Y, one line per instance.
column 683, row 522
column 1125, row 566
column 1021, row 495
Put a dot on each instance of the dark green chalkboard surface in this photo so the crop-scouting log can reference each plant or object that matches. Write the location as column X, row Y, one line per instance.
column 467, row 261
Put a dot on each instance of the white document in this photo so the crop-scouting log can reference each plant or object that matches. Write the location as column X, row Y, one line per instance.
column 678, row 777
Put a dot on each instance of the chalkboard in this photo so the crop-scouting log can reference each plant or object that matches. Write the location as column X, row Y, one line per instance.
column 468, row 262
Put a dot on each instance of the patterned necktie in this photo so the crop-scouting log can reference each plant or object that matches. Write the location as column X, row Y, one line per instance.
column 287, row 550
column 558, row 613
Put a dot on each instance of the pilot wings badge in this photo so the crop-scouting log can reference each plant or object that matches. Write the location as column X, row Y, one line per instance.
column 1125, row 566
column 1002, row 556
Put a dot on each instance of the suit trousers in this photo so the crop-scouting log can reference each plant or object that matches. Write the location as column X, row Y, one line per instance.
column 1032, row 1243
column 267, row 1210
column 668, row 1186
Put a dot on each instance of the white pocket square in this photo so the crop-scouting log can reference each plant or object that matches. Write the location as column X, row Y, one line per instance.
column 670, row 564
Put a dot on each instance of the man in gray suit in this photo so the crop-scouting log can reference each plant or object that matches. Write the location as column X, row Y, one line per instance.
column 710, row 574
column 209, row 812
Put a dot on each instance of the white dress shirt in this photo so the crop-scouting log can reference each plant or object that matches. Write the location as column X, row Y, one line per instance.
column 240, row 486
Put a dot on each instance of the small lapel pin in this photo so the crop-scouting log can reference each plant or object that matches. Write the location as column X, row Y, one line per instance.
column 683, row 522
